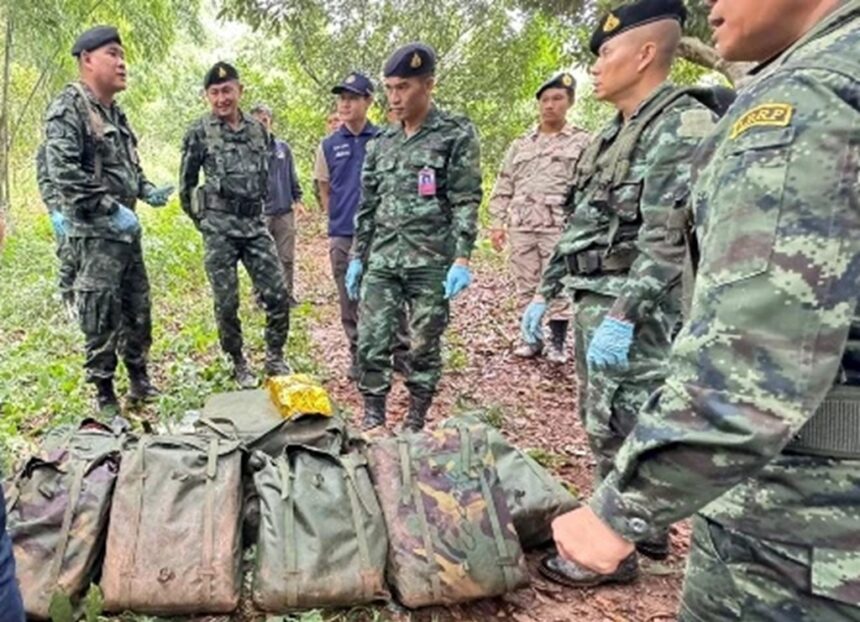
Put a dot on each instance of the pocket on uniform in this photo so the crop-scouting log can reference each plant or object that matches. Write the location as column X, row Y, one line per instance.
column 836, row 575
column 740, row 236
column 98, row 310
column 624, row 201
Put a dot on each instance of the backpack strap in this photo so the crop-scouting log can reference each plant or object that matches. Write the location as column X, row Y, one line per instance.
column 410, row 486
column 79, row 469
column 206, row 571
column 94, row 124
column 291, row 573
column 359, row 511
column 127, row 569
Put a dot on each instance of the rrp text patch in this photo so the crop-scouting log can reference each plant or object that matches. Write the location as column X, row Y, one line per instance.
column 778, row 115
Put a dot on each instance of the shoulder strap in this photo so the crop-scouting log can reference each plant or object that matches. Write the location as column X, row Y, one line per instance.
column 94, row 125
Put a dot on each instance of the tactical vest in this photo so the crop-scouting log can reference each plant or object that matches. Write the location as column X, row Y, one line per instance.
column 621, row 251
column 94, row 128
column 214, row 195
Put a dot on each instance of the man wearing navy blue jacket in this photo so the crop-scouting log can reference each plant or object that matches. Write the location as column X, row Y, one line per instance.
column 11, row 609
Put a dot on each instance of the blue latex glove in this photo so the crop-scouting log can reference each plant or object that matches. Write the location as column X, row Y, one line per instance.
column 125, row 220
column 530, row 326
column 353, row 278
column 610, row 345
column 159, row 196
column 58, row 222
column 459, row 278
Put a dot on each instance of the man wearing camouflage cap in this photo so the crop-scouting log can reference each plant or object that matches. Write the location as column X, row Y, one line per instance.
column 232, row 149
column 92, row 161
column 756, row 432
column 620, row 263
column 527, row 203
column 415, row 230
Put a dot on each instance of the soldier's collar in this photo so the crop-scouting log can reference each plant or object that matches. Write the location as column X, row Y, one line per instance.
column 643, row 106
column 566, row 130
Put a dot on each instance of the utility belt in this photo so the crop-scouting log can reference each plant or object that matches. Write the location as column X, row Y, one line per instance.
column 129, row 202
column 211, row 201
column 834, row 430
column 597, row 261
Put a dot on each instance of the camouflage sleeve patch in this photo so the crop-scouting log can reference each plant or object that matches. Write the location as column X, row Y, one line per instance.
column 696, row 123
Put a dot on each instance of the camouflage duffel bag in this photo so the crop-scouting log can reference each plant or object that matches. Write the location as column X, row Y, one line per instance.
column 450, row 531
column 173, row 545
column 57, row 510
column 322, row 540
column 534, row 496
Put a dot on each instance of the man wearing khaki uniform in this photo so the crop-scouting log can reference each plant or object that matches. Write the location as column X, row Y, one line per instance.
column 527, row 203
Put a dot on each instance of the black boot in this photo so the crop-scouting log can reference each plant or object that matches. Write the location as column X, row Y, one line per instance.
column 557, row 353
column 106, row 402
column 374, row 412
column 242, row 373
column 275, row 363
column 417, row 415
column 557, row 569
column 140, row 387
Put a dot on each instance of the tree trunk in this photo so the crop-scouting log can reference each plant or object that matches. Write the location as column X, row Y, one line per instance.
column 4, row 130
column 697, row 51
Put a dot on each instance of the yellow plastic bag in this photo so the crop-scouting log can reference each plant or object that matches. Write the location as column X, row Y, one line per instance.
column 299, row 394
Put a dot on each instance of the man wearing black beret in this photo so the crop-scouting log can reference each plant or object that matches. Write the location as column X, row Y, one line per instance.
column 615, row 257
column 527, row 204
column 415, row 230
column 92, row 161
column 232, row 150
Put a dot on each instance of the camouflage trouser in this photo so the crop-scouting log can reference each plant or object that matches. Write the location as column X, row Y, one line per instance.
column 112, row 298
column 383, row 295
column 736, row 576
column 530, row 254
column 610, row 400
column 11, row 609
column 257, row 254
column 67, row 268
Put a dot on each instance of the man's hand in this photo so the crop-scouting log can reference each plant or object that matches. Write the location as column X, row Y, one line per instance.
column 459, row 278
column 498, row 237
column 530, row 326
column 580, row 536
column 610, row 346
column 353, row 278
column 58, row 222
column 158, row 197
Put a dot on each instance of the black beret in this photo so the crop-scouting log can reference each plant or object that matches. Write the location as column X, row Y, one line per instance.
column 94, row 38
column 413, row 59
column 562, row 80
column 221, row 72
column 355, row 82
column 636, row 14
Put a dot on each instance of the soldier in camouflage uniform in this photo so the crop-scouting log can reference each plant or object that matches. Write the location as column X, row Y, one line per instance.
column 91, row 155
column 232, row 149
column 757, row 429
column 415, row 230
column 620, row 265
column 527, row 204
column 53, row 201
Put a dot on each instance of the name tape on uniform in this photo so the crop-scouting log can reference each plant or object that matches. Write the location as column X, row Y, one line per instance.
column 778, row 115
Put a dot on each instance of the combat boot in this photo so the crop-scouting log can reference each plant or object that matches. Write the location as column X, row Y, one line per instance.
column 656, row 548
column 275, row 363
column 529, row 350
column 556, row 568
column 417, row 415
column 557, row 353
column 106, row 401
column 242, row 373
column 374, row 412
column 140, row 387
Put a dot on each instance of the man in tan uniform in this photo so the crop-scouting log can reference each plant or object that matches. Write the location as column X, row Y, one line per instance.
column 527, row 203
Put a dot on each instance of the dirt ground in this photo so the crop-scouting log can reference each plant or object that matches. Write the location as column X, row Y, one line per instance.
column 539, row 408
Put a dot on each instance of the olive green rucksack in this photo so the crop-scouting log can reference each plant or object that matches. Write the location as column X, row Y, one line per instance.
column 534, row 496
column 57, row 507
column 322, row 540
column 173, row 544
column 451, row 535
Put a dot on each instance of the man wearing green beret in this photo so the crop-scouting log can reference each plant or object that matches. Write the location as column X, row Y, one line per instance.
column 232, row 150
column 415, row 230
column 91, row 160
column 617, row 257
column 527, row 204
